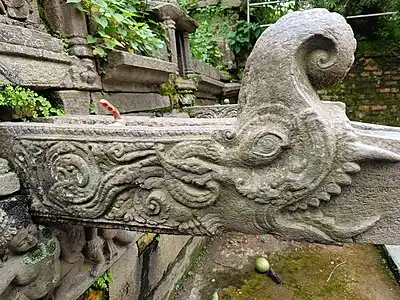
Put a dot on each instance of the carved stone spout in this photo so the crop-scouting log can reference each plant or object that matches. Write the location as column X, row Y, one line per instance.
column 289, row 164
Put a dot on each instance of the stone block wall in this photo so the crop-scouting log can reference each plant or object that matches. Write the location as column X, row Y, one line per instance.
column 371, row 90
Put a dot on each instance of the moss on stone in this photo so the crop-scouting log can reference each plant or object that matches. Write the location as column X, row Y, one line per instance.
column 305, row 272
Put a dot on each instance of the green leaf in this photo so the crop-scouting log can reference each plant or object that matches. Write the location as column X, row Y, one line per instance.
column 91, row 39
column 99, row 52
column 73, row 1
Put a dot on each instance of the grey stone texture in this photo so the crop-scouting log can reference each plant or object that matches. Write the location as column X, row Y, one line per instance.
column 29, row 38
column 165, row 10
column 203, row 69
column 130, row 102
column 127, row 72
column 231, row 3
column 9, row 182
column 289, row 164
column 74, row 102
column 39, row 69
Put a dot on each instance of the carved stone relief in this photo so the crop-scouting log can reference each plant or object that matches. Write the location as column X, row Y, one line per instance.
column 286, row 165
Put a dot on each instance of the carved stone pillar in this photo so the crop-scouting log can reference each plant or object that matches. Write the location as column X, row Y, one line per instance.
column 187, row 55
column 65, row 18
column 75, row 29
column 172, row 39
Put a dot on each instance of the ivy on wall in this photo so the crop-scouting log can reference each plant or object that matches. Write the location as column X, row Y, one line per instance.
column 122, row 25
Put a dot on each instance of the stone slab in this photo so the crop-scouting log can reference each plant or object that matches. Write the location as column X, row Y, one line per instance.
column 127, row 72
column 202, row 68
column 74, row 102
column 126, row 276
column 208, row 88
column 43, row 69
column 164, row 256
column 30, row 38
column 183, row 22
column 180, row 267
column 393, row 253
column 231, row 3
column 130, row 102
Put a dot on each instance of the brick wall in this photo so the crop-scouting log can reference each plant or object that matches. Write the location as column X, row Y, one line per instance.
column 371, row 90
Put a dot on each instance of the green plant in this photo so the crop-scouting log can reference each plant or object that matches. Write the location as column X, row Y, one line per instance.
column 204, row 46
column 121, row 24
column 103, row 282
column 188, row 5
column 373, row 28
column 25, row 103
column 169, row 89
column 243, row 36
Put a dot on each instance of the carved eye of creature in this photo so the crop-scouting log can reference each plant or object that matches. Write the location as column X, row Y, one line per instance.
column 267, row 145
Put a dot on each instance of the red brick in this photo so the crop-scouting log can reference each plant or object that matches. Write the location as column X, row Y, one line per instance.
column 378, row 107
column 371, row 68
column 385, row 90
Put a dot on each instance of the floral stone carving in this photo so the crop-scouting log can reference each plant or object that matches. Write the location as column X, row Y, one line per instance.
column 289, row 164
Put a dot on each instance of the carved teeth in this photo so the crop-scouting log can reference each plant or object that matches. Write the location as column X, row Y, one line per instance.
column 324, row 196
column 292, row 208
column 302, row 206
column 313, row 202
column 333, row 188
column 343, row 179
column 351, row 167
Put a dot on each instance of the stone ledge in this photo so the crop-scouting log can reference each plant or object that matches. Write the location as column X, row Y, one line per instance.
column 170, row 11
column 41, row 69
column 208, row 88
column 130, row 102
column 29, row 38
column 127, row 72
column 203, row 69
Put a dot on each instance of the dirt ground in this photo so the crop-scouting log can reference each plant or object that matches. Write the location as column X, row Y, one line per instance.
column 308, row 271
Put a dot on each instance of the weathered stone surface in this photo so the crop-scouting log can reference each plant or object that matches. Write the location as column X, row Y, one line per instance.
column 393, row 254
column 38, row 68
column 9, row 182
column 183, row 21
column 29, row 38
column 289, row 165
column 231, row 3
column 202, row 68
column 231, row 91
column 181, row 265
column 212, row 111
column 204, row 3
column 208, row 88
column 131, row 102
column 23, row 13
column 126, row 276
column 165, row 254
column 127, row 72
column 74, row 102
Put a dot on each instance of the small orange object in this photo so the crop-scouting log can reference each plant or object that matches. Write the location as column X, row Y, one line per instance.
column 111, row 108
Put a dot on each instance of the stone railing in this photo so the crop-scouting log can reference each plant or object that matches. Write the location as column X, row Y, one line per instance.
column 283, row 163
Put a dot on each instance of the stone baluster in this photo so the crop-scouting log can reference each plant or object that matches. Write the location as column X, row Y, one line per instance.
column 187, row 55
column 172, row 39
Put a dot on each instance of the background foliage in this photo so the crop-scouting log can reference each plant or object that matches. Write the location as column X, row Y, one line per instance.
column 123, row 25
column 25, row 103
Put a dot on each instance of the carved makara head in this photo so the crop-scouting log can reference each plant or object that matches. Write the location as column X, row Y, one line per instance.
column 290, row 153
